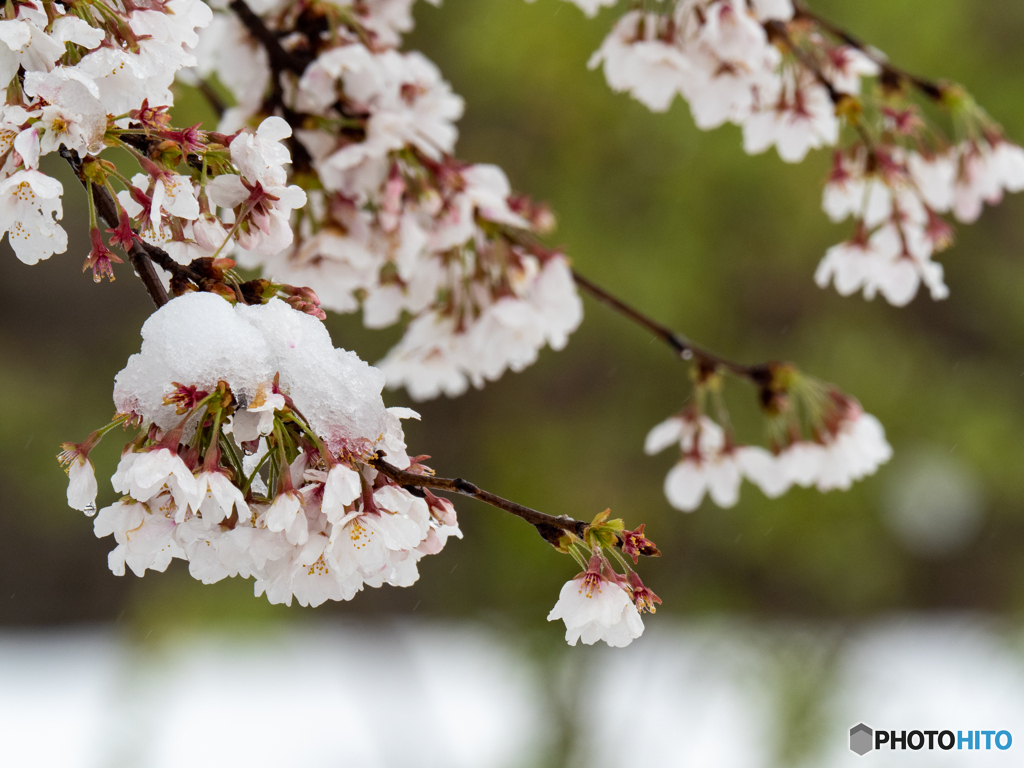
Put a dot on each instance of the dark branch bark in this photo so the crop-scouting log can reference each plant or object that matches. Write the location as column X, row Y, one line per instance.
column 777, row 29
column 549, row 526
column 682, row 346
column 217, row 104
column 280, row 59
column 106, row 209
column 890, row 73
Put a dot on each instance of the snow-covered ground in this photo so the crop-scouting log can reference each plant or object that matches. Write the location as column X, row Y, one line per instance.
column 711, row 694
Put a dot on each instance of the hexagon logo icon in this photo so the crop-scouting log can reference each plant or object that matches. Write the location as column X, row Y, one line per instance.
column 861, row 740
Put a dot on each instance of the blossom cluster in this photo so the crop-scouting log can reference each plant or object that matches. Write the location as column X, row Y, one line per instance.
column 252, row 458
column 719, row 55
column 847, row 445
column 600, row 603
column 896, row 198
column 227, row 471
column 68, row 77
column 794, row 84
column 98, row 76
column 396, row 227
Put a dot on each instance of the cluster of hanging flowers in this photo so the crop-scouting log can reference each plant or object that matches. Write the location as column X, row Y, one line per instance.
column 792, row 81
column 226, row 471
column 397, row 227
column 71, row 80
column 251, row 458
column 845, row 445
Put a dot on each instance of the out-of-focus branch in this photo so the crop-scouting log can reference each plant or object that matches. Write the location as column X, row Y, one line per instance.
column 280, row 59
column 217, row 104
column 777, row 30
column 890, row 73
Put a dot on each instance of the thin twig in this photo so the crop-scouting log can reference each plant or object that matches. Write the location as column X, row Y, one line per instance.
column 106, row 209
column 549, row 526
column 778, row 30
column 217, row 104
column 682, row 346
column 929, row 88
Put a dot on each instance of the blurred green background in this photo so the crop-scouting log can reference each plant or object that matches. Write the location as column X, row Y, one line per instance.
column 720, row 246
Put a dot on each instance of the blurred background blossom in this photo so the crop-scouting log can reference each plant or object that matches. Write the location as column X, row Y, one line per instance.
column 785, row 622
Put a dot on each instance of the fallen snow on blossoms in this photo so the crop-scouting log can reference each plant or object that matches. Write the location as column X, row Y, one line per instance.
column 251, row 458
column 848, row 445
column 397, row 227
column 793, row 82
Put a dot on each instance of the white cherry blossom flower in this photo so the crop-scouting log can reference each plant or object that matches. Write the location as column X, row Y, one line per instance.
column 800, row 119
column 258, row 416
column 894, row 261
column 74, row 116
column 287, row 515
column 767, row 10
column 595, row 608
column 144, row 533
column 219, row 498
column 30, row 207
column 707, row 465
column 934, row 177
column 82, row 486
column 147, row 474
column 845, row 66
column 341, row 488
column 428, row 359
column 855, row 449
column 717, row 475
column 985, row 171
column 24, row 44
column 375, row 542
column 636, row 61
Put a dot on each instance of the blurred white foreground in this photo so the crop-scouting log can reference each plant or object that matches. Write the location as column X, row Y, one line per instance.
column 708, row 695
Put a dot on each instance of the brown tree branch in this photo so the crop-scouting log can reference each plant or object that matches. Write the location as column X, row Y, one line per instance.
column 758, row 374
column 141, row 254
column 549, row 526
column 280, row 59
column 217, row 104
column 777, row 29
column 890, row 73
column 106, row 209
column 284, row 61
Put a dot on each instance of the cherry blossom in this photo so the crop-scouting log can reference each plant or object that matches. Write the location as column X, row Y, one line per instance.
column 708, row 465
column 596, row 608
column 30, row 207
column 82, row 485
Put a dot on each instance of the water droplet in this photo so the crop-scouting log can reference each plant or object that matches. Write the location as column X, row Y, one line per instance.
column 687, row 354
